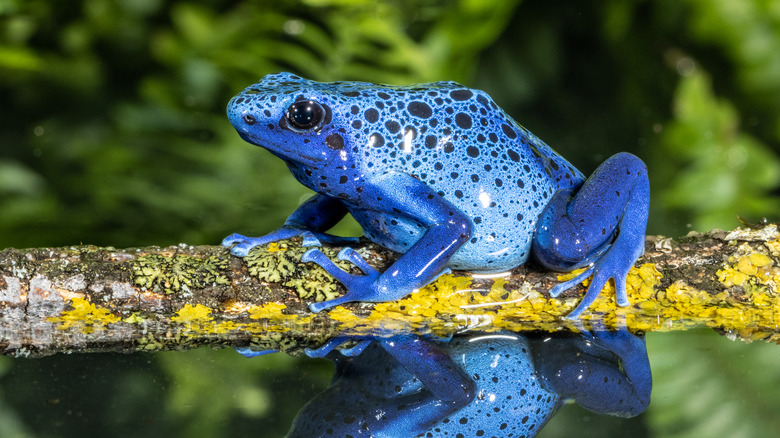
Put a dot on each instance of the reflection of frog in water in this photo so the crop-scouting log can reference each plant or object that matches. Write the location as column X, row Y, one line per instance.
column 439, row 173
column 492, row 385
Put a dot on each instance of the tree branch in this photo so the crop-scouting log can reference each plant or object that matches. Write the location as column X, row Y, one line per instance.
column 84, row 298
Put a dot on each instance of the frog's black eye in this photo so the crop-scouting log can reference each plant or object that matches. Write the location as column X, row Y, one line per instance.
column 249, row 119
column 305, row 115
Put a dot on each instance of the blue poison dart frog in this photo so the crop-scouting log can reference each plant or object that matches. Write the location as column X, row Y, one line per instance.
column 439, row 173
column 492, row 385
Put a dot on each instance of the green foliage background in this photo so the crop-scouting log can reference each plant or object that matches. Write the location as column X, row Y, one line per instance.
column 113, row 133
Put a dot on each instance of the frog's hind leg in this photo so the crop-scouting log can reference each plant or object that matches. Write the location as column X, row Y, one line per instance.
column 618, row 382
column 602, row 225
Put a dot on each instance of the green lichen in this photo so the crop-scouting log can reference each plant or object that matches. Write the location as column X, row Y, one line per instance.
column 178, row 273
column 279, row 262
column 285, row 344
column 149, row 343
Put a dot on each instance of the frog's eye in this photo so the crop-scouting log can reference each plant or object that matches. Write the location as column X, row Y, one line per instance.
column 305, row 115
column 249, row 119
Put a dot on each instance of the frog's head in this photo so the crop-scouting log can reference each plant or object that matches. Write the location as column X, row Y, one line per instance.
column 292, row 117
column 314, row 123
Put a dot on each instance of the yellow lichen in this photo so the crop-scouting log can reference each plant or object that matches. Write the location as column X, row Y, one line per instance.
column 754, row 271
column 642, row 285
column 85, row 315
column 266, row 311
column 453, row 302
column 774, row 247
column 341, row 314
column 190, row 314
column 135, row 318
column 275, row 247
column 760, row 260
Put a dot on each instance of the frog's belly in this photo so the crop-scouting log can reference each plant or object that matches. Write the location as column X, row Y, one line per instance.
column 511, row 399
column 496, row 245
column 490, row 253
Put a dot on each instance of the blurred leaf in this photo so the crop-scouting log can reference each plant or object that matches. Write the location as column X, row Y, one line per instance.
column 749, row 32
column 15, row 179
column 19, row 59
column 208, row 387
column 712, row 387
column 718, row 172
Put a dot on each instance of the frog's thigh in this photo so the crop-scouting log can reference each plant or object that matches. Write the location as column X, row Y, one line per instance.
column 575, row 228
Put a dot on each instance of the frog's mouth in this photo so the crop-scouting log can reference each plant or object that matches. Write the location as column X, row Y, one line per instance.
column 281, row 152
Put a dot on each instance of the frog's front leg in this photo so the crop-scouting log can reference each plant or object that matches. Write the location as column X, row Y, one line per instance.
column 318, row 214
column 603, row 224
column 447, row 386
column 447, row 228
column 399, row 387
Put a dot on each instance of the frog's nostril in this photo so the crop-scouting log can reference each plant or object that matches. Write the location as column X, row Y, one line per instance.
column 249, row 119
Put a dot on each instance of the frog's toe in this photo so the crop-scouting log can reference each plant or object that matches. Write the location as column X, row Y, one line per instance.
column 324, row 305
column 314, row 255
column 233, row 239
column 240, row 244
column 337, row 342
column 594, row 289
column 357, row 348
column 352, row 256
column 309, row 239
column 326, row 348
column 621, row 294
column 600, row 278
column 248, row 352
column 613, row 266
column 242, row 249
column 568, row 284
column 359, row 287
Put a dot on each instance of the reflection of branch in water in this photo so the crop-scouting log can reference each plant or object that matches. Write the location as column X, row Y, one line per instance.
column 85, row 298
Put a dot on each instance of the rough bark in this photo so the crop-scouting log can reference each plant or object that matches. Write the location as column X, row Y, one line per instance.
column 85, row 298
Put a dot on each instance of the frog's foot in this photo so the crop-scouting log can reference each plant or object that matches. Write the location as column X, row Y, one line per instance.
column 241, row 245
column 359, row 287
column 603, row 223
column 248, row 352
column 336, row 342
column 611, row 265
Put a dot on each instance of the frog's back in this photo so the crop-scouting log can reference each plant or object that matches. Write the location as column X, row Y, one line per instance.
column 461, row 144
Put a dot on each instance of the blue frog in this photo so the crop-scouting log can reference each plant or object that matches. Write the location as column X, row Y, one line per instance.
column 488, row 385
column 439, row 173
